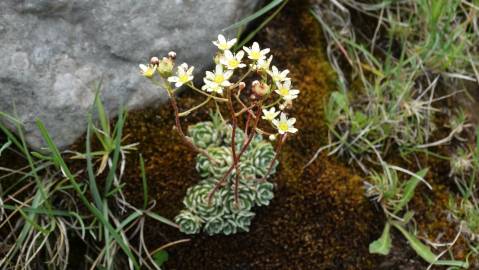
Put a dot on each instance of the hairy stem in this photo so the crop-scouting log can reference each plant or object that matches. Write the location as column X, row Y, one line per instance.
column 271, row 165
column 243, row 149
column 182, row 134
column 233, row 146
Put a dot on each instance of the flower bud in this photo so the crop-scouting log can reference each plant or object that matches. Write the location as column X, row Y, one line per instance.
column 272, row 137
column 288, row 104
column 260, row 88
column 217, row 58
column 172, row 55
column 165, row 67
column 241, row 85
column 154, row 61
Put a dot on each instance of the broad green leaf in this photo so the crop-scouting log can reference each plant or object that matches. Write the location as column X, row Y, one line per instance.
column 425, row 252
column 160, row 257
column 408, row 191
column 383, row 244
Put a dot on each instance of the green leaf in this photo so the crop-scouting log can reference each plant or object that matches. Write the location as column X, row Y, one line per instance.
column 255, row 15
column 144, row 181
column 161, row 219
column 160, row 257
column 408, row 191
column 5, row 146
column 102, row 115
column 91, row 175
column 383, row 244
column 425, row 252
column 261, row 26
column 95, row 211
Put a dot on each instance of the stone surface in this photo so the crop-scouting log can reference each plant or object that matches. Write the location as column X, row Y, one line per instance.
column 54, row 52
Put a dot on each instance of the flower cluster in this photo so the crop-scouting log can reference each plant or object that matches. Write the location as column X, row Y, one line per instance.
column 233, row 159
column 216, row 81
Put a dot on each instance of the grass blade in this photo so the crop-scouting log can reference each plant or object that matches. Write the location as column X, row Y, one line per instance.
column 144, row 181
column 255, row 15
column 261, row 26
column 91, row 175
column 97, row 213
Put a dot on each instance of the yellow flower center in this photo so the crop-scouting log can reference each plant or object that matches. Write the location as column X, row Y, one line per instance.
column 219, row 78
column 223, row 46
column 283, row 126
column 183, row 78
column 216, row 89
column 149, row 72
column 255, row 55
column 233, row 63
column 284, row 91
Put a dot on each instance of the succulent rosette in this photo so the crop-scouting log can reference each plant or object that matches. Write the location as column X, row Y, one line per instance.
column 243, row 220
column 246, row 199
column 264, row 193
column 205, row 134
column 240, row 137
column 223, row 214
column 208, row 169
column 189, row 223
column 247, row 171
column 229, row 226
column 262, row 155
column 196, row 200
column 214, row 225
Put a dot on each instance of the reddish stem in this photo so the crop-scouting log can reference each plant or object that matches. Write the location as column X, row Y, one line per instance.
column 182, row 134
column 233, row 146
column 243, row 149
column 271, row 165
column 248, row 119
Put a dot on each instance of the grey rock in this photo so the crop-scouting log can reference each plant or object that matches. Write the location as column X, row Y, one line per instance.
column 54, row 52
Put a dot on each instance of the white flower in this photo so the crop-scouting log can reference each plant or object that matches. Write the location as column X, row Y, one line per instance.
column 219, row 77
column 285, row 91
column 255, row 53
column 147, row 70
column 232, row 61
column 263, row 64
column 212, row 87
column 183, row 76
column 224, row 44
column 285, row 125
column 278, row 76
column 270, row 114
